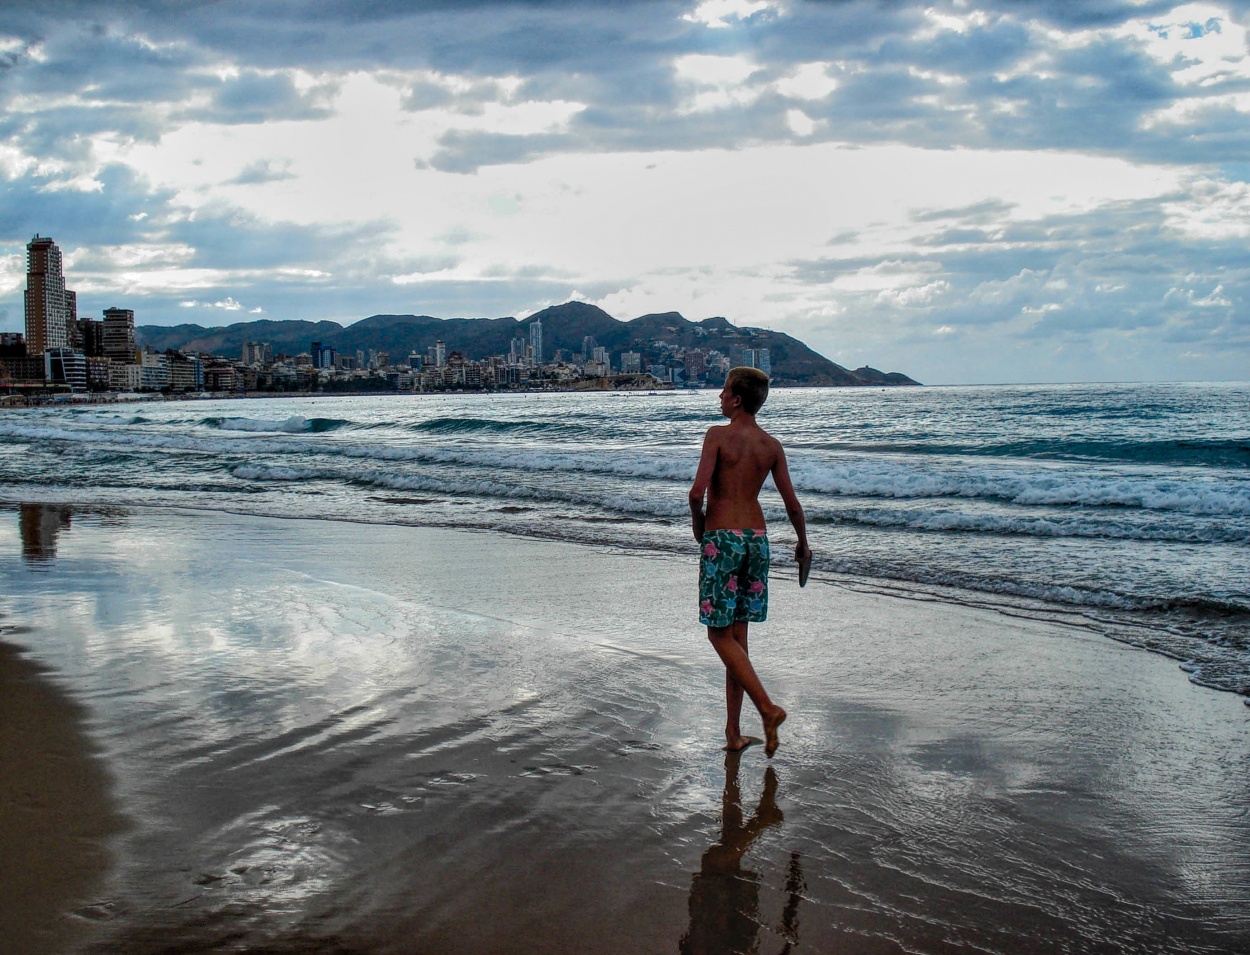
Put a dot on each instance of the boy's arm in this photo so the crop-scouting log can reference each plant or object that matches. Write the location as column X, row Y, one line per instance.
column 702, row 478
column 794, row 510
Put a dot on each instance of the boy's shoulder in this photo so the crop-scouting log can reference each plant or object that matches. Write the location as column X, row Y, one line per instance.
column 740, row 431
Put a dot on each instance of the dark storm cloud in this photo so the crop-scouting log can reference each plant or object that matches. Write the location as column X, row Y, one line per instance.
column 122, row 210
column 254, row 97
column 900, row 80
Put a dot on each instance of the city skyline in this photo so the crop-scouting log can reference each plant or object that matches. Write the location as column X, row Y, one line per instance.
column 969, row 191
column 63, row 353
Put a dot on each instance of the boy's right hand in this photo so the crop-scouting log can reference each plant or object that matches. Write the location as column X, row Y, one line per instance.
column 803, row 554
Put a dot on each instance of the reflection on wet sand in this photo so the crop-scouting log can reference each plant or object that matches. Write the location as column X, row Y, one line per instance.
column 724, row 897
column 40, row 524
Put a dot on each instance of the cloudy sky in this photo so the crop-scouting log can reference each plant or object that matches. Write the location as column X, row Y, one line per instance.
column 979, row 191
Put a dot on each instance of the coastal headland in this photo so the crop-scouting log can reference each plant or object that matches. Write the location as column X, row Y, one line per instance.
column 666, row 342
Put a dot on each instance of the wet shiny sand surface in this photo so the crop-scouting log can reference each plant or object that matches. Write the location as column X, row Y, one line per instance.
column 341, row 738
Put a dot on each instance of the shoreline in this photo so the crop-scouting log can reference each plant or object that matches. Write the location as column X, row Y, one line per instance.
column 1099, row 622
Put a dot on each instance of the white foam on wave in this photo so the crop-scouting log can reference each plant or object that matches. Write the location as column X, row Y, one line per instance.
column 1194, row 530
column 295, row 424
column 1044, row 487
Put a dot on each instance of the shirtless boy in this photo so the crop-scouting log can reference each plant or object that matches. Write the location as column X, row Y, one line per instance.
column 733, row 563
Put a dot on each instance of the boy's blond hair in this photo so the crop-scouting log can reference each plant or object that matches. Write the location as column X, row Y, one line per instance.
column 749, row 384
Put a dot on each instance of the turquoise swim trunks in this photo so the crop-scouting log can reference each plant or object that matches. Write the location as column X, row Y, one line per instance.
column 733, row 577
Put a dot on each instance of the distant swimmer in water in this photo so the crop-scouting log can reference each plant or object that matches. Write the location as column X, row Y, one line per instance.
column 733, row 541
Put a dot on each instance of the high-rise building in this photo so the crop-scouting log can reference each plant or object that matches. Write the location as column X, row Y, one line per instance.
column 48, row 305
column 536, row 341
column 631, row 362
column 323, row 355
column 516, row 351
column 696, row 363
column 440, row 354
column 257, row 353
column 119, row 335
column 758, row 358
column 91, row 337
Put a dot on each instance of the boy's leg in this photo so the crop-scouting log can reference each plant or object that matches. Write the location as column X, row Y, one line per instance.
column 738, row 665
column 733, row 697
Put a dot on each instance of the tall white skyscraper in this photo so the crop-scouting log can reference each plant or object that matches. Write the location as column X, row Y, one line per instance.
column 536, row 341
column 48, row 304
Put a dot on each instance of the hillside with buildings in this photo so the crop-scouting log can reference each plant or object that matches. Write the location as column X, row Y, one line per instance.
column 666, row 345
column 569, row 346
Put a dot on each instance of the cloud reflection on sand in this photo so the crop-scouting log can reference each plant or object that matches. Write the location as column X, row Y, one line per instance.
column 386, row 739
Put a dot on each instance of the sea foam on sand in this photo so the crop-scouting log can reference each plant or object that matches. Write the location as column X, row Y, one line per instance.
column 336, row 737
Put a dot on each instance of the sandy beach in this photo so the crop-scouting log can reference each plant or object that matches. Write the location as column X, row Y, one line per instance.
column 333, row 737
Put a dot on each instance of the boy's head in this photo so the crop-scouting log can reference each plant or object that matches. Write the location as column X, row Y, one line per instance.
column 749, row 384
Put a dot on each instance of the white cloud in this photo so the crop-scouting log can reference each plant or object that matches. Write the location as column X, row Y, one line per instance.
column 800, row 123
column 717, row 82
column 717, row 14
column 811, row 81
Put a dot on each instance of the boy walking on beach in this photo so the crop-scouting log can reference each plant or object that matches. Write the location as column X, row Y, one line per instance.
column 733, row 563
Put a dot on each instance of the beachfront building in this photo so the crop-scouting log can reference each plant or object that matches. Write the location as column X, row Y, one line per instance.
column 440, row 354
column 125, row 377
column 98, row 373
column 91, row 337
column 64, row 366
column 631, row 362
column 184, row 372
column 153, row 371
column 119, row 335
column 50, row 307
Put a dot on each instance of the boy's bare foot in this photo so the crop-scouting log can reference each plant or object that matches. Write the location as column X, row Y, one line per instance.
column 770, row 730
column 737, row 744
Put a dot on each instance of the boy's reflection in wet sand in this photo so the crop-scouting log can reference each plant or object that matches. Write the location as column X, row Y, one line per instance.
column 40, row 524
column 724, row 897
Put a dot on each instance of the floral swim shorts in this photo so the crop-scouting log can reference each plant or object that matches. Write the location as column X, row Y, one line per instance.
column 733, row 577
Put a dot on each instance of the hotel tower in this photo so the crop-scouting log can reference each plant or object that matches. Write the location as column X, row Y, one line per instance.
column 50, row 308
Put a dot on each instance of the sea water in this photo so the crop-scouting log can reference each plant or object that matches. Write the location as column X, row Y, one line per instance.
column 1123, row 508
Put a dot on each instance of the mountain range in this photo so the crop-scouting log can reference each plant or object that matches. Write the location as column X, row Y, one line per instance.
column 564, row 327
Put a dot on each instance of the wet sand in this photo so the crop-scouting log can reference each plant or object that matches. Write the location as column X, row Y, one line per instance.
column 347, row 738
column 55, row 810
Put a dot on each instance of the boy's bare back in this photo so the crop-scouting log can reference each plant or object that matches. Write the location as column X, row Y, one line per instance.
column 745, row 454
